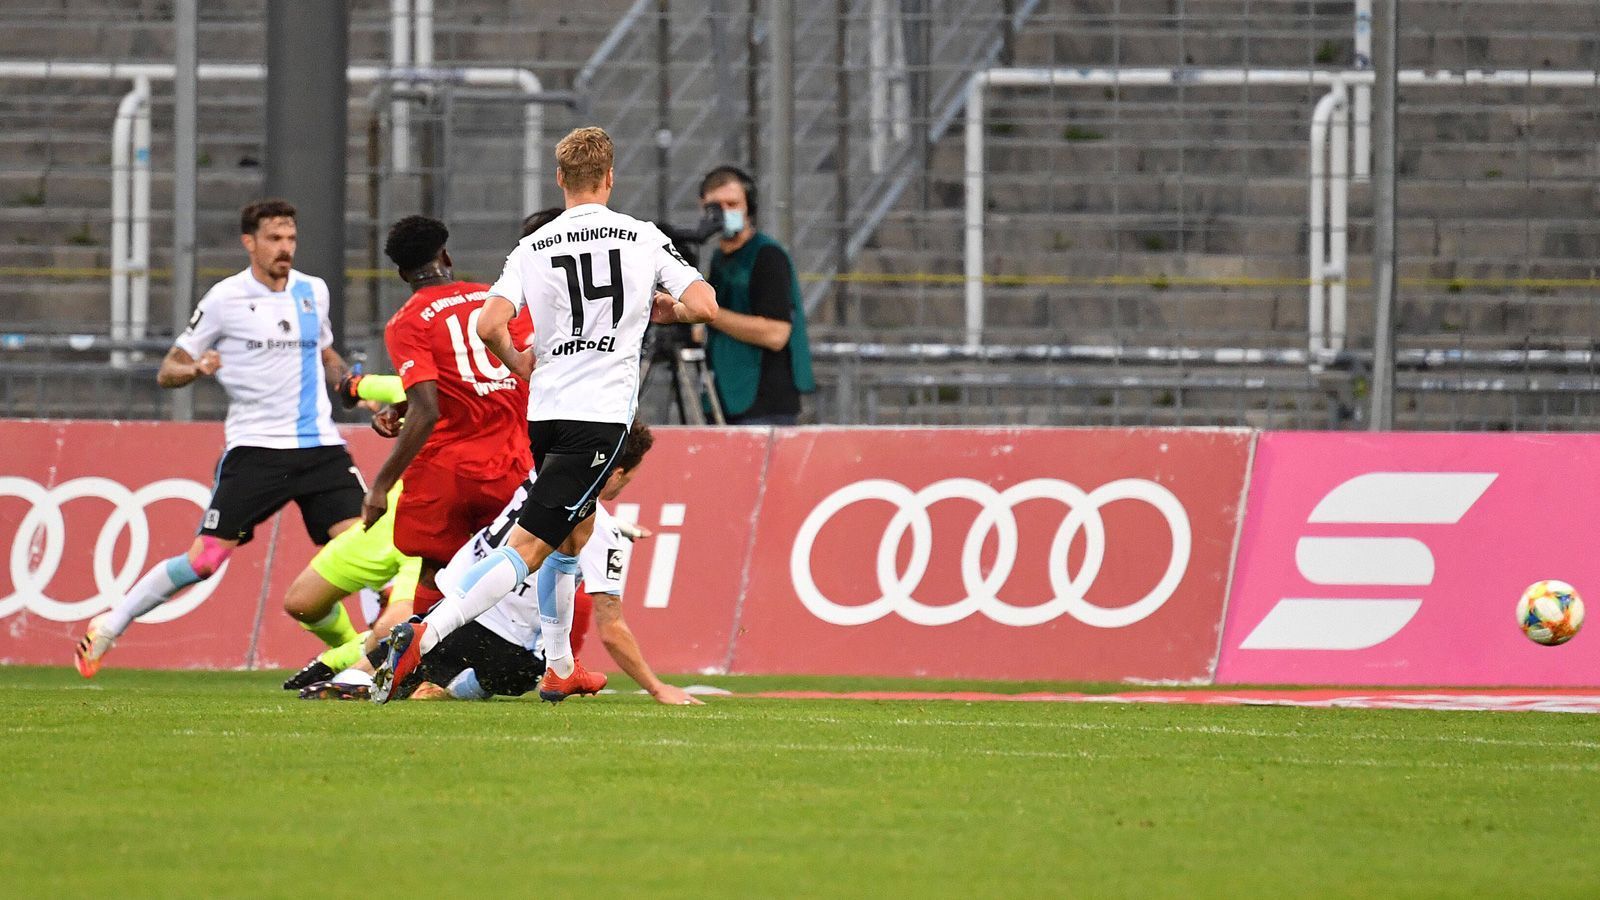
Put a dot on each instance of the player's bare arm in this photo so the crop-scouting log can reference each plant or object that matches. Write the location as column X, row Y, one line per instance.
column 422, row 414
column 333, row 368
column 494, row 331
column 178, row 368
column 697, row 306
column 768, row 334
column 624, row 648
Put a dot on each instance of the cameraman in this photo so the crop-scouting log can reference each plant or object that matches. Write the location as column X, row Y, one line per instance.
column 757, row 348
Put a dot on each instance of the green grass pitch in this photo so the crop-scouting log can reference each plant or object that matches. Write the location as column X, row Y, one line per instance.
column 218, row 784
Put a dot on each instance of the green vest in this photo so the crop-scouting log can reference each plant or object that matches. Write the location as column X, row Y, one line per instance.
column 737, row 365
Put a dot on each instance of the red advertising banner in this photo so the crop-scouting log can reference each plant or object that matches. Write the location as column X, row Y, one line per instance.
column 1397, row 559
column 136, row 492
column 85, row 509
column 696, row 492
column 281, row 642
column 1006, row 553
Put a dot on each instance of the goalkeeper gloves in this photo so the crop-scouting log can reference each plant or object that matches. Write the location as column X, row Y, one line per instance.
column 353, row 389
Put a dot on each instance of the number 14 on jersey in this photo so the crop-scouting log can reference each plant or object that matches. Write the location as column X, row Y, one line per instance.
column 581, row 286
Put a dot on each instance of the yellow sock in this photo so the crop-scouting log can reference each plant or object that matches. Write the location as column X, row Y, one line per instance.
column 345, row 655
column 333, row 629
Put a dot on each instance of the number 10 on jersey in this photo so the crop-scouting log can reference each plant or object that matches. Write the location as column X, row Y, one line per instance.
column 583, row 288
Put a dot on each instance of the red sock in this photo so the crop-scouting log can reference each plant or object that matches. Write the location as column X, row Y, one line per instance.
column 582, row 615
column 425, row 599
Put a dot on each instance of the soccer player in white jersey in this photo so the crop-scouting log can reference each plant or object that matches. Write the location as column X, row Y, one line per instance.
column 264, row 334
column 587, row 279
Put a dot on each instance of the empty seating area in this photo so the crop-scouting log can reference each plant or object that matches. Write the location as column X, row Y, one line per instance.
column 1121, row 218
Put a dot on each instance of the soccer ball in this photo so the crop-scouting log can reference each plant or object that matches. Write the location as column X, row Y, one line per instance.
column 1550, row 612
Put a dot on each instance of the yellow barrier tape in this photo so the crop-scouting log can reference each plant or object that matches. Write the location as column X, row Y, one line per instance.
column 1187, row 281
column 70, row 273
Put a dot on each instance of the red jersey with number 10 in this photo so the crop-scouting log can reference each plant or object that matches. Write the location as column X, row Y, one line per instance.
column 482, row 429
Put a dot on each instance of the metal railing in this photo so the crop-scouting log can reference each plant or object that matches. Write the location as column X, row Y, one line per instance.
column 934, row 383
column 1152, row 247
column 659, row 83
column 878, row 384
column 1330, row 162
column 130, row 154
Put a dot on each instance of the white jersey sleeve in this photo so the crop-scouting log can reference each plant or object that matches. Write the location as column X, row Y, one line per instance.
column 602, row 561
column 324, row 305
column 205, row 326
column 673, row 272
column 509, row 284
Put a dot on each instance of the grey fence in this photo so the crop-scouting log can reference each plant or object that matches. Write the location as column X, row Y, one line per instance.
column 1152, row 252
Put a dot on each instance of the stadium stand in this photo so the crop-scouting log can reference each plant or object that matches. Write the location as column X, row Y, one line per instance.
column 1182, row 197
column 1131, row 223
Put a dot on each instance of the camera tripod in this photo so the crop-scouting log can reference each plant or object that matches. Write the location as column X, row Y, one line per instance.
column 692, row 381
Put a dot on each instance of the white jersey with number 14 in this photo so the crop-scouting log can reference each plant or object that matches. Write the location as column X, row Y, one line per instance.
column 586, row 279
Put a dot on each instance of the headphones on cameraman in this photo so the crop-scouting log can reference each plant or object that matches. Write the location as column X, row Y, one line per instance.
column 745, row 181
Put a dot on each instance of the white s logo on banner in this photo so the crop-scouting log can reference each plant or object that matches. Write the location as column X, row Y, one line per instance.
column 996, row 515
column 1377, row 498
column 44, row 521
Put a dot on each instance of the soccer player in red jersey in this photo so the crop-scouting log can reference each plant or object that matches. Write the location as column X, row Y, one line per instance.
column 463, row 449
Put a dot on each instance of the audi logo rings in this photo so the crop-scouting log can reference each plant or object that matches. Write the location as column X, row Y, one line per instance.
column 996, row 515
column 41, row 538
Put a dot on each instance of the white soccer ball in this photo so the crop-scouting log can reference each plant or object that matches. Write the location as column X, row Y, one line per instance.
column 1550, row 612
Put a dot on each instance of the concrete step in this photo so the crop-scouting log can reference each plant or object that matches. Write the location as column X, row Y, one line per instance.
column 496, row 31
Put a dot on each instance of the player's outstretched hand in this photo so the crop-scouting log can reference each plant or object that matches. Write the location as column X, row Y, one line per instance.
column 672, row 695
column 374, row 506
column 387, row 420
column 661, row 304
column 208, row 363
column 633, row 532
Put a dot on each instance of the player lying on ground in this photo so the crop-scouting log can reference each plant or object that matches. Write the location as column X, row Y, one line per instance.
column 498, row 653
column 264, row 334
column 587, row 281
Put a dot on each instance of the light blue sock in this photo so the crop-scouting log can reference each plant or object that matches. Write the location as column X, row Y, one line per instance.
column 557, row 581
column 556, row 565
column 465, row 686
column 162, row 581
column 483, row 566
column 484, row 585
column 180, row 571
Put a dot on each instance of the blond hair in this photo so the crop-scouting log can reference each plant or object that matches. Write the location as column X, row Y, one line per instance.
column 584, row 157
